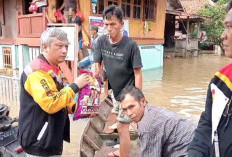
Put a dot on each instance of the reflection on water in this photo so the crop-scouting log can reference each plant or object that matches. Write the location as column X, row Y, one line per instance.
column 182, row 84
column 179, row 86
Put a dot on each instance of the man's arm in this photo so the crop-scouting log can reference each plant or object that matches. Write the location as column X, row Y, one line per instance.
column 137, row 65
column 97, row 57
column 43, row 89
column 138, row 78
column 96, row 69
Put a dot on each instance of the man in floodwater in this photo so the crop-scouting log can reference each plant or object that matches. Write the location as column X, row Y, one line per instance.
column 213, row 135
column 162, row 133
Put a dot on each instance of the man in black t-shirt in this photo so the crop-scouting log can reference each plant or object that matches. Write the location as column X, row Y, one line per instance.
column 122, row 62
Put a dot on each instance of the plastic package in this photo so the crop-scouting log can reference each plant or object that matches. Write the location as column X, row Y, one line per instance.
column 88, row 100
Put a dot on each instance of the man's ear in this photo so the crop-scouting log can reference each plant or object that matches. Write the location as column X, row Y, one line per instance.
column 45, row 47
column 122, row 24
column 143, row 102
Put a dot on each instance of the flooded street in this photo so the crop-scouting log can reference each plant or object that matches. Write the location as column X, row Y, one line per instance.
column 180, row 86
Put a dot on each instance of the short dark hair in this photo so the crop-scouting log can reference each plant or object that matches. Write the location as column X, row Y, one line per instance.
column 73, row 9
column 133, row 91
column 112, row 10
column 229, row 5
column 93, row 27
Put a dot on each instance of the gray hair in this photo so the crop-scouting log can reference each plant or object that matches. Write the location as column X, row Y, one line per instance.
column 49, row 33
column 133, row 91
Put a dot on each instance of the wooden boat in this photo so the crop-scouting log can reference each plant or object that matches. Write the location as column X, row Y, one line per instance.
column 93, row 140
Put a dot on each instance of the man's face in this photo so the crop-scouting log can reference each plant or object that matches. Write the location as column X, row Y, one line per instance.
column 133, row 109
column 113, row 26
column 71, row 12
column 227, row 34
column 93, row 32
column 57, row 51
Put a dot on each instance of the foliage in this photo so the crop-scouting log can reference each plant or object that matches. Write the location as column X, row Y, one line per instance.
column 206, row 46
column 214, row 25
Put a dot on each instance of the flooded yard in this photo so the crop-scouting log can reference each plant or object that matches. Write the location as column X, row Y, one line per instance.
column 181, row 85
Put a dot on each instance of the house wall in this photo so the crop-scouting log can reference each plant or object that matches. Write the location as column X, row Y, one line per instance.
column 150, row 43
column 155, row 36
column 152, row 56
column 9, row 29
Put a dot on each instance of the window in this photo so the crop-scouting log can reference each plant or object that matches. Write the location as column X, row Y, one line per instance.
column 149, row 9
column 97, row 6
column 126, row 8
column 132, row 8
column 137, row 9
column 112, row 2
column 7, row 62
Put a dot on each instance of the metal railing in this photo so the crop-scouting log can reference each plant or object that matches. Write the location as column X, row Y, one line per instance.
column 9, row 90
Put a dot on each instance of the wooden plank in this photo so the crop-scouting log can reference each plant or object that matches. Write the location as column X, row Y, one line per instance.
column 102, row 118
column 93, row 143
column 24, row 26
column 37, row 26
column 86, row 150
column 94, row 136
column 133, row 136
column 89, row 140
column 109, row 102
column 97, row 124
column 104, row 109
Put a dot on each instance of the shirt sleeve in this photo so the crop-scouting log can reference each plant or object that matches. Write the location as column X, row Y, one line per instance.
column 151, row 145
column 97, row 55
column 136, row 57
column 42, row 88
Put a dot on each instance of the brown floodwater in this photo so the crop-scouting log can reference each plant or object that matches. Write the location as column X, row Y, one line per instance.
column 180, row 86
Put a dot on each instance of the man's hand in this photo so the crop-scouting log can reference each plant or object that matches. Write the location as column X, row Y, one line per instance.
column 71, row 108
column 82, row 80
column 96, row 70
column 93, row 115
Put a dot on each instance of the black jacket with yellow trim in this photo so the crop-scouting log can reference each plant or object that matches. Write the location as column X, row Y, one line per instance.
column 216, row 117
column 43, row 117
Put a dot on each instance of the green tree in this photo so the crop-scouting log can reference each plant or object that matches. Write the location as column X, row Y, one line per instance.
column 214, row 25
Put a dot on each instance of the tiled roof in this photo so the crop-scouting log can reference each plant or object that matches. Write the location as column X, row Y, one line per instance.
column 174, row 5
column 192, row 6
